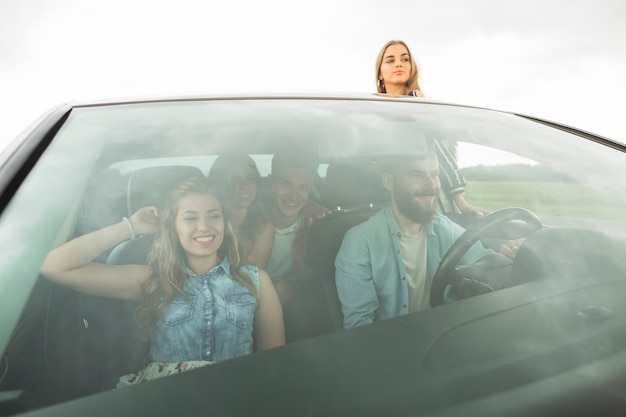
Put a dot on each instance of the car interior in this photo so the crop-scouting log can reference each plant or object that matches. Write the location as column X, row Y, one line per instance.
column 70, row 345
column 100, row 339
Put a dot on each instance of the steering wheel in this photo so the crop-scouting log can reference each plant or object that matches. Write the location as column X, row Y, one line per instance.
column 446, row 272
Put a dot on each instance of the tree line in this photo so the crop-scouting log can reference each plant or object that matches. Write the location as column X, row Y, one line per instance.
column 514, row 172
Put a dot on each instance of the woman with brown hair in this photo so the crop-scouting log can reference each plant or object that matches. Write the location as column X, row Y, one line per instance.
column 236, row 180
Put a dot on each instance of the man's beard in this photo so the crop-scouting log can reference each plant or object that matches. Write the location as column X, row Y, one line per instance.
column 414, row 210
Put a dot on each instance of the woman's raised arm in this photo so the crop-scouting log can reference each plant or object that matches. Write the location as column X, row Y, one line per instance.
column 72, row 264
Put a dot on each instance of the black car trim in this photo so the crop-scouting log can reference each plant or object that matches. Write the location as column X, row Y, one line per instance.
column 19, row 164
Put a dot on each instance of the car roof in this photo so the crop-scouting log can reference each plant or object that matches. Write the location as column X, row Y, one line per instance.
column 255, row 96
column 309, row 95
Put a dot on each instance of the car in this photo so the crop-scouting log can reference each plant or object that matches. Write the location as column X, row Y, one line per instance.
column 543, row 334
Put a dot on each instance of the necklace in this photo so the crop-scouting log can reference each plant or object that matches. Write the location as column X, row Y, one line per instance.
column 290, row 229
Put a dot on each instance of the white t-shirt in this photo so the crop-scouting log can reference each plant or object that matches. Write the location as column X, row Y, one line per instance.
column 280, row 262
column 414, row 251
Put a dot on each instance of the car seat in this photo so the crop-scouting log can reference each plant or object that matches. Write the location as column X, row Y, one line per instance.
column 113, row 334
column 147, row 187
column 355, row 191
column 69, row 344
column 353, row 185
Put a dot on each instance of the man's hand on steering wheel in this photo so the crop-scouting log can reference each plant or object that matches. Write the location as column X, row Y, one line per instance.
column 445, row 274
column 511, row 247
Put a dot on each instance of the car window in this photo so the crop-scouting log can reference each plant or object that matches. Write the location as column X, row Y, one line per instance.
column 104, row 160
column 500, row 179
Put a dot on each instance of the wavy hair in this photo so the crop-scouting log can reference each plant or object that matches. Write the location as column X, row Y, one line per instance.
column 220, row 178
column 413, row 81
column 167, row 257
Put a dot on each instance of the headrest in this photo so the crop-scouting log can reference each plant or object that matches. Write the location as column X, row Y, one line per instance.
column 150, row 186
column 354, row 185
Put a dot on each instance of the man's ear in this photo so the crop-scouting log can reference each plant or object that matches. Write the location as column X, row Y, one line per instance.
column 387, row 179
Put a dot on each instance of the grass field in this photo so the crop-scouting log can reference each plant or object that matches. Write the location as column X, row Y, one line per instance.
column 559, row 199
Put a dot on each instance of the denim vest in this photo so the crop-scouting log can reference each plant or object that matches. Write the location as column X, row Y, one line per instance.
column 215, row 324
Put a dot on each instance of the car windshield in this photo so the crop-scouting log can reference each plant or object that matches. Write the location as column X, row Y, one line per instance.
column 107, row 161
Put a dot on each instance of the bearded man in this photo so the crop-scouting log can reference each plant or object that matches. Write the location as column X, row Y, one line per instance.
column 385, row 265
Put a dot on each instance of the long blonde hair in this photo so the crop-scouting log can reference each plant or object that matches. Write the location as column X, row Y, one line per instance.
column 413, row 81
column 167, row 258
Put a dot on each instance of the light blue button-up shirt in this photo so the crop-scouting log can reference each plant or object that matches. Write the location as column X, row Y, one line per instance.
column 215, row 324
column 370, row 274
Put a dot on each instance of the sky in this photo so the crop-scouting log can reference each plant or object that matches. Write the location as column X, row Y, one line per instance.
column 563, row 60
